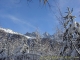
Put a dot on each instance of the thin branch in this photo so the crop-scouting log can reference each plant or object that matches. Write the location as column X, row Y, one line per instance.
column 75, row 47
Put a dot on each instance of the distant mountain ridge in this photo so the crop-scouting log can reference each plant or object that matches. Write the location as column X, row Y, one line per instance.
column 12, row 32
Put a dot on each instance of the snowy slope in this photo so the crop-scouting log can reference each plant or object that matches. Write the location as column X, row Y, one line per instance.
column 12, row 32
column 8, row 31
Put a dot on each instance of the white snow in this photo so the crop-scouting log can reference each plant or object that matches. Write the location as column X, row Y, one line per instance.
column 8, row 31
column 28, row 37
column 74, row 24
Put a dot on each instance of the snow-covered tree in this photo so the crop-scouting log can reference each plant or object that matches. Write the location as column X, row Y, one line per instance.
column 25, row 49
column 71, row 37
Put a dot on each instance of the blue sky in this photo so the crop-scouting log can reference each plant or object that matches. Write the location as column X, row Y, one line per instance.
column 26, row 17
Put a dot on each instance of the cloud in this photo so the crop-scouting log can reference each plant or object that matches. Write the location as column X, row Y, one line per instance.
column 18, row 20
